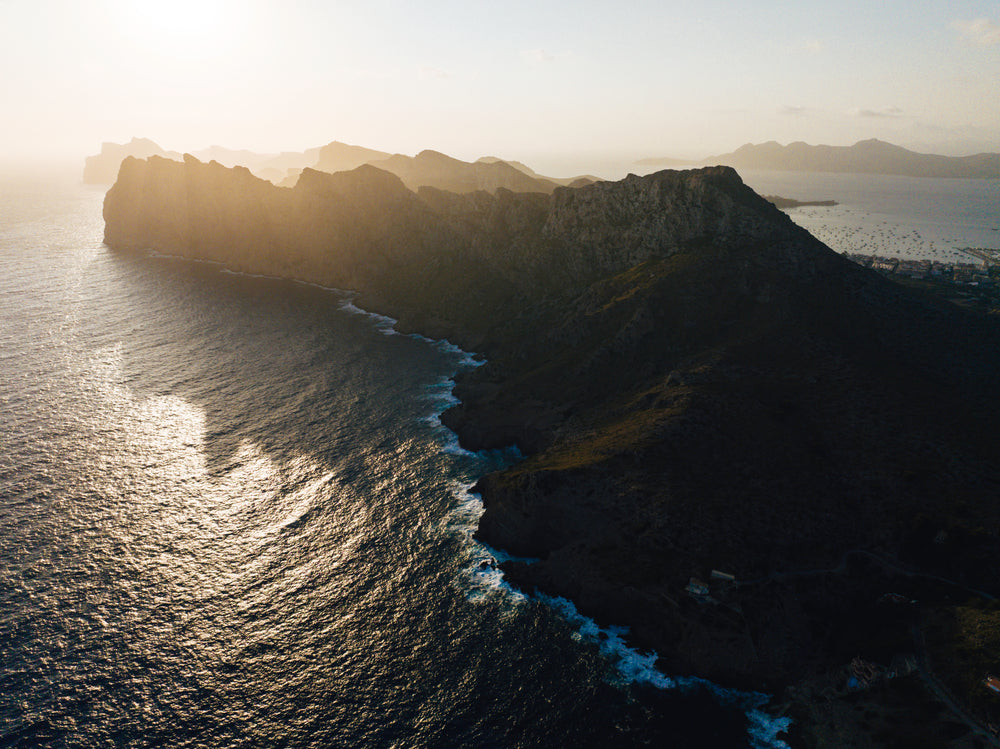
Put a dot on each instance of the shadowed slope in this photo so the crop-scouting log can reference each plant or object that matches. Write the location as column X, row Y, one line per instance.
column 698, row 382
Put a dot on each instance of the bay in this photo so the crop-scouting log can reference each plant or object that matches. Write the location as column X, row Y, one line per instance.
column 912, row 218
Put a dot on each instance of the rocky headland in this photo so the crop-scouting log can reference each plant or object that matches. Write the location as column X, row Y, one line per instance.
column 698, row 385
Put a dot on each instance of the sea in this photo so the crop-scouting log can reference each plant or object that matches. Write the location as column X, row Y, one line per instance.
column 230, row 517
column 909, row 218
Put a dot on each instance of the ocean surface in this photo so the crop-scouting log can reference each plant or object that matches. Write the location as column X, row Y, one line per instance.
column 229, row 517
column 910, row 218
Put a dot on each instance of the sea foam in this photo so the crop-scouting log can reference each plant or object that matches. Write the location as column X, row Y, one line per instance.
column 387, row 326
column 635, row 667
column 483, row 577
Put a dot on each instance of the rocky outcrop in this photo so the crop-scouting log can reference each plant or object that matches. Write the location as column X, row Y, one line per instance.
column 621, row 224
column 697, row 382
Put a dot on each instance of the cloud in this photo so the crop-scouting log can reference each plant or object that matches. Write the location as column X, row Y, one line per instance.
column 981, row 31
column 890, row 112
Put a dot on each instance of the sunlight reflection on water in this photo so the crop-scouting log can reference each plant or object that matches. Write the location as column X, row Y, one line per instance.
column 231, row 519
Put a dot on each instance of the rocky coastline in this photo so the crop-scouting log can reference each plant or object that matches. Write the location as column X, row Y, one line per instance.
column 704, row 392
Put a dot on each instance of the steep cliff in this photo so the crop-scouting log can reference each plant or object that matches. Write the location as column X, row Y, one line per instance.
column 698, row 383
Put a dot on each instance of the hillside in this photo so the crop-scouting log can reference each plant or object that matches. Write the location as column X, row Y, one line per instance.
column 697, row 382
column 864, row 157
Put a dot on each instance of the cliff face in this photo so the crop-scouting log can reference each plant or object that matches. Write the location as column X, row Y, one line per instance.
column 616, row 225
column 364, row 229
column 698, row 383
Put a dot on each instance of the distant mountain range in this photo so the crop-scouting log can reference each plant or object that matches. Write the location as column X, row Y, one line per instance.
column 426, row 169
column 864, row 157
column 102, row 168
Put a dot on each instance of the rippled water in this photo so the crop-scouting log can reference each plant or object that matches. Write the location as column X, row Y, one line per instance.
column 903, row 217
column 229, row 518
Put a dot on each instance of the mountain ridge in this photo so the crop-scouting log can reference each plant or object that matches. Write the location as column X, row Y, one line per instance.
column 697, row 384
column 870, row 156
column 427, row 169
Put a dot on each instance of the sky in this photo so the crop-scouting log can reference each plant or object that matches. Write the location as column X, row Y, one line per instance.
column 566, row 87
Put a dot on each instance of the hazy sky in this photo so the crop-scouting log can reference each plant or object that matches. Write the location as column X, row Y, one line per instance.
column 549, row 83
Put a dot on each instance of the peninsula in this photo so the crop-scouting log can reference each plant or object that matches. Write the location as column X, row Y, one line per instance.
column 737, row 441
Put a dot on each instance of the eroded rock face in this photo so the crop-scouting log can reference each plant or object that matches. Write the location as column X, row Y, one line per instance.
column 351, row 226
column 698, row 384
column 625, row 223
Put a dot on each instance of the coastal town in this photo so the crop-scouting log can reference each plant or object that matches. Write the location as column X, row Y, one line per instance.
column 973, row 284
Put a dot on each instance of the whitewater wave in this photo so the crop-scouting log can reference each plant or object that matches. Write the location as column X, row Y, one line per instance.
column 440, row 394
column 168, row 256
column 387, row 326
column 467, row 358
column 635, row 667
column 482, row 578
column 383, row 323
column 231, row 272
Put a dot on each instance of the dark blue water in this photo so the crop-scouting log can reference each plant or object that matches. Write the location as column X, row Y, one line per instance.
column 230, row 518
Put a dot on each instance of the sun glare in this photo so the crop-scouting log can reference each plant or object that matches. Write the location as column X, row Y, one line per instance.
column 181, row 29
